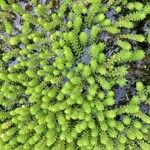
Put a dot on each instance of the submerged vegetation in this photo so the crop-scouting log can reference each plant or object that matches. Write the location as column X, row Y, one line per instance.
column 61, row 63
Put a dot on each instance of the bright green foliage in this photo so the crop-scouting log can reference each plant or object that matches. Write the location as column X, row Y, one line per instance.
column 148, row 38
column 58, row 76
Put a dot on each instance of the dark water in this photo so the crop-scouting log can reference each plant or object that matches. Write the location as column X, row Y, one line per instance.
column 85, row 57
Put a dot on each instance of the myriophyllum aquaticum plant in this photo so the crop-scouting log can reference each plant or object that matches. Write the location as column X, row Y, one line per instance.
column 58, row 75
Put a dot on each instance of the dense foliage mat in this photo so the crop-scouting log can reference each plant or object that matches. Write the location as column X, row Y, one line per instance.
column 60, row 66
